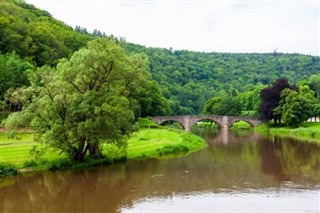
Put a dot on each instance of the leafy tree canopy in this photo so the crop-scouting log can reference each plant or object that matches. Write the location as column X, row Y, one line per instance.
column 35, row 35
column 85, row 101
column 296, row 107
column 186, row 78
column 270, row 98
column 223, row 106
column 190, row 78
column 13, row 72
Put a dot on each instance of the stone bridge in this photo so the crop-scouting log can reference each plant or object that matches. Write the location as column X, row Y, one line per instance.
column 188, row 120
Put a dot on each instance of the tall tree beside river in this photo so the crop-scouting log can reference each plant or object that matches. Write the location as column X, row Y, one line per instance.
column 85, row 101
column 270, row 98
column 296, row 107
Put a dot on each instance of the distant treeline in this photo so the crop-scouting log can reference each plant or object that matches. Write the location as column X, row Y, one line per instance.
column 187, row 79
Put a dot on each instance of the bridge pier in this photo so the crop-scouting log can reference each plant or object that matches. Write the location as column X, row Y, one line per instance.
column 187, row 124
column 224, row 123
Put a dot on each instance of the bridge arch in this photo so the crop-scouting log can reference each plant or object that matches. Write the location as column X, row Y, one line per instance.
column 202, row 118
column 235, row 121
column 174, row 120
column 188, row 120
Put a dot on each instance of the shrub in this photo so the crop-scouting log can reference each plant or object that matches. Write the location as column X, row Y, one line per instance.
column 173, row 149
column 114, row 152
column 59, row 164
column 7, row 169
column 146, row 123
column 30, row 163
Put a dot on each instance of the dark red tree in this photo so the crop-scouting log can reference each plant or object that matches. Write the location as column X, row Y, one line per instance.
column 270, row 98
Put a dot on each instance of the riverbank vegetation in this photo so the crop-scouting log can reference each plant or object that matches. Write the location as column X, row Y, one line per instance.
column 32, row 37
column 146, row 143
column 289, row 103
column 240, row 125
column 87, row 101
column 82, row 92
column 206, row 124
column 307, row 131
column 212, row 125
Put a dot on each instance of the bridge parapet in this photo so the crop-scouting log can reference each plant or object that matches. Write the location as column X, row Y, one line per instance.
column 252, row 121
column 188, row 120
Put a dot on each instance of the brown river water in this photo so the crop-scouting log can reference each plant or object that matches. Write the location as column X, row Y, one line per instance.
column 237, row 172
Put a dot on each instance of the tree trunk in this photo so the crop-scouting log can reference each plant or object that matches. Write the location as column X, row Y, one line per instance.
column 95, row 151
column 79, row 156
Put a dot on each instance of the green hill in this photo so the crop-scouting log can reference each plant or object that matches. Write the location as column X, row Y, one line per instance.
column 187, row 79
column 35, row 35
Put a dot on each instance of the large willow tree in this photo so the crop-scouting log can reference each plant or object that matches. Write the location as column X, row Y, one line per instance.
column 84, row 101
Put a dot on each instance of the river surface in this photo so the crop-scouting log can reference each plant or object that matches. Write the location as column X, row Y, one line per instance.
column 237, row 172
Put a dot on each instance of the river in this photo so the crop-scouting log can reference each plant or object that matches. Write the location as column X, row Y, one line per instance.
column 237, row 172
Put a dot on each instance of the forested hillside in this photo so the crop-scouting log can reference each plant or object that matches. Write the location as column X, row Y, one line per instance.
column 187, row 79
column 35, row 35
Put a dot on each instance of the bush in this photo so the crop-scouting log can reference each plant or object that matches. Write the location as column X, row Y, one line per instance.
column 173, row 149
column 114, row 152
column 7, row 169
column 240, row 125
column 30, row 163
column 59, row 164
column 146, row 123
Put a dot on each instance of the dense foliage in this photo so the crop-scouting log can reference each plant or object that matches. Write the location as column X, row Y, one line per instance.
column 288, row 103
column 250, row 101
column 295, row 107
column 187, row 79
column 270, row 98
column 35, row 35
column 223, row 106
column 85, row 101
column 13, row 72
column 7, row 169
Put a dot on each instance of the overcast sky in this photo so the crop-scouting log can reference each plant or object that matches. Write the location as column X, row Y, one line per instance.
column 209, row 26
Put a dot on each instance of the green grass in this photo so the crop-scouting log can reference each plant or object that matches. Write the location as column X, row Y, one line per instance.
column 18, row 153
column 150, row 142
column 308, row 131
column 240, row 125
column 311, row 125
column 19, row 138
column 206, row 124
column 146, row 123
column 15, row 153
column 146, row 143
column 16, row 150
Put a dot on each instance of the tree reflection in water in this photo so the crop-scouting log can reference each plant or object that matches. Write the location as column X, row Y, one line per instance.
column 232, row 162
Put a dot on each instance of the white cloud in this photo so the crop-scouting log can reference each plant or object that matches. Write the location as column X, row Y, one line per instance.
column 234, row 26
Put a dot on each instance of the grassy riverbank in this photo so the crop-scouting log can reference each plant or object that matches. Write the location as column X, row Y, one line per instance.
column 308, row 131
column 240, row 125
column 146, row 143
column 162, row 142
